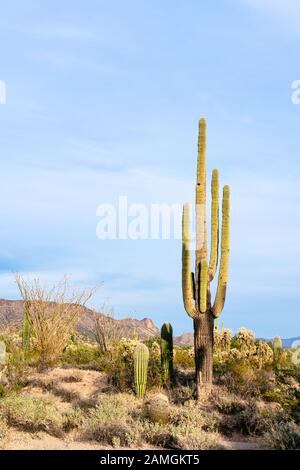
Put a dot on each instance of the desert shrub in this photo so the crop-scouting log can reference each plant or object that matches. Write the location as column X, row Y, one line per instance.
column 242, row 379
column 3, row 430
column 31, row 414
column 111, row 421
column 184, row 357
column 80, row 353
column 287, row 397
column 170, row 436
column 118, row 363
column 283, row 435
column 226, row 403
column 16, row 369
column 114, row 433
column 191, row 416
column 73, row 419
column 181, row 394
column 249, row 421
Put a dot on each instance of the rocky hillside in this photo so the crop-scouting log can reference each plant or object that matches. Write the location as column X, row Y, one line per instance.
column 11, row 312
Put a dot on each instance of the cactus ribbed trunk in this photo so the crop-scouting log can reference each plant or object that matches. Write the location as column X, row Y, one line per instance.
column 196, row 287
column 203, row 344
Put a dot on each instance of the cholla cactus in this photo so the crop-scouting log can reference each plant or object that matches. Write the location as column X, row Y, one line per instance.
column 196, row 287
column 140, row 358
column 263, row 355
column 2, row 353
column 234, row 354
column 226, row 336
column 222, row 340
column 277, row 350
column 246, row 340
column 166, row 344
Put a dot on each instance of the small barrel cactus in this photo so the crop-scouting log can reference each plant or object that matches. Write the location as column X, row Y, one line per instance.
column 140, row 358
column 166, row 347
column 157, row 408
column 2, row 353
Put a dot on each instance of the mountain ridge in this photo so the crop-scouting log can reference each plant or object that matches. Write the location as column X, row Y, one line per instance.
column 11, row 312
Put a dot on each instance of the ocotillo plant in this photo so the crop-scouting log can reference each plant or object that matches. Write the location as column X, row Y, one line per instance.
column 2, row 353
column 166, row 348
column 277, row 350
column 140, row 358
column 26, row 328
column 196, row 287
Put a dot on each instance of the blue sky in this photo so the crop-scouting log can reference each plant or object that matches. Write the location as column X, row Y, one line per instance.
column 103, row 100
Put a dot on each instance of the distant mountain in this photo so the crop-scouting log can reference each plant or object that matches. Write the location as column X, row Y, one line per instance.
column 186, row 339
column 11, row 313
column 288, row 342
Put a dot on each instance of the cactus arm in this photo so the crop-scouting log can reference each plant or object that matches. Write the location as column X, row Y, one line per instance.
column 214, row 224
column 223, row 273
column 203, row 285
column 201, row 242
column 187, row 284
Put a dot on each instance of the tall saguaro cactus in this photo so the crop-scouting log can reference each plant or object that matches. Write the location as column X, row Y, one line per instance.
column 196, row 287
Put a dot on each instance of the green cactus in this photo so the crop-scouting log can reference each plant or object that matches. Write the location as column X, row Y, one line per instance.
column 2, row 353
column 196, row 287
column 141, row 358
column 26, row 332
column 166, row 347
column 277, row 350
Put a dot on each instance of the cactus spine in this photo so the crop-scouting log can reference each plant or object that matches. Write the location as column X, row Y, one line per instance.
column 166, row 346
column 196, row 287
column 141, row 358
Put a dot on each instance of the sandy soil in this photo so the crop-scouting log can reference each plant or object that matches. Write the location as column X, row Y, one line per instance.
column 71, row 387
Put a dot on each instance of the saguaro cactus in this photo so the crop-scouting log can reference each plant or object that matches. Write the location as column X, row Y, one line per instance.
column 277, row 350
column 196, row 287
column 141, row 358
column 166, row 347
